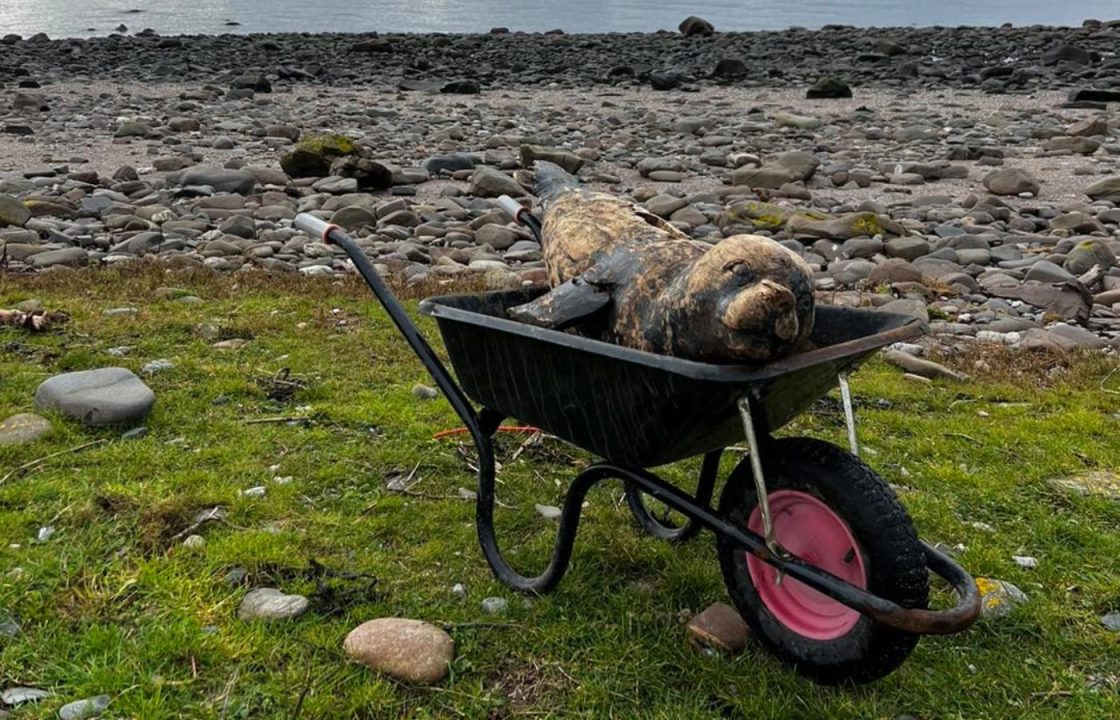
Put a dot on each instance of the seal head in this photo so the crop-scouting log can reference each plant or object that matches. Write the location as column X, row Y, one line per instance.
column 749, row 294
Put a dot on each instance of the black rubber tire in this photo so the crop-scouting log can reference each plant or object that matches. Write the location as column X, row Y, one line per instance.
column 892, row 555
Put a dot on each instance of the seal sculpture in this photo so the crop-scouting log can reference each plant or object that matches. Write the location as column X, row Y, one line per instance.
column 621, row 274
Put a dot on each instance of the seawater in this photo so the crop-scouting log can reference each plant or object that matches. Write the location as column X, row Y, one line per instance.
column 85, row 18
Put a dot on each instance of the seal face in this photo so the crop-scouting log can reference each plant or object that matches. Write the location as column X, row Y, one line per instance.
column 626, row 276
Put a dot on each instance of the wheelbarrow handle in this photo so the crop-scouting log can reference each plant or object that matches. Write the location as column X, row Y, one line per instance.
column 332, row 234
column 521, row 214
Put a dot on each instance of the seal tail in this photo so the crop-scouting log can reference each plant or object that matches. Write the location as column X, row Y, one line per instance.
column 552, row 180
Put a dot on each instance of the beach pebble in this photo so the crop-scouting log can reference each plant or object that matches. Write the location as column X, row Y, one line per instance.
column 424, row 392
column 411, row 651
column 494, row 605
column 20, row 695
column 721, row 627
column 998, row 598
column 548, row 512
column 271, row 604
column 84, row 709
column 23, row 428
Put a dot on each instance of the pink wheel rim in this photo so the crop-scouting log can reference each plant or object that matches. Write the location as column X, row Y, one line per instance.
column 809, row 529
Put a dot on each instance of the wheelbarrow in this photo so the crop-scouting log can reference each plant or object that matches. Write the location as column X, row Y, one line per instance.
column 817, row 553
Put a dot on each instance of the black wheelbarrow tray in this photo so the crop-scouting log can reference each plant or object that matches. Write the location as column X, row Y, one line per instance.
column 817, row 553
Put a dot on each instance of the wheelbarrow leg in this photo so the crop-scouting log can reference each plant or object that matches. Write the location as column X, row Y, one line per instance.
column 484, row 515
column 759, row 479
column 634, row 498
column 849, row 414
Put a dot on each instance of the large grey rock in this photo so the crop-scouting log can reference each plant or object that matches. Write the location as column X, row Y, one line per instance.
column 488, row 182
column 1011, row 181
column 907, row 248
column 271, row 604
column 800, row 163
column 1087, row 254
column 84, row 709
column 23, row 428
column 843, row 226
column 1047, row 272
column 907, row 306
column 412, row 651
column 1078, row 336
column 105, row 396
column 221, row 179
column 1074, row 145
column 498, row 237
column 12, row 211
column 448, row 163
column 771, row 176
column 693, row 26
column 1107, row 189
column 354, row 217
column 569, row 161
column 64, row 256
column 894, row 271
column 920, row 366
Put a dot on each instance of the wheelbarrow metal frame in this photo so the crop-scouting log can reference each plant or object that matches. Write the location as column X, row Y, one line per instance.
column 482, row 426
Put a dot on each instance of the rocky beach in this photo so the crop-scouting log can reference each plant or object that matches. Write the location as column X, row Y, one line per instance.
column 969, row 176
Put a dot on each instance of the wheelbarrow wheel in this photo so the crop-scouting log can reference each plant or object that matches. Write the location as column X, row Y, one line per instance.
column 833, row 511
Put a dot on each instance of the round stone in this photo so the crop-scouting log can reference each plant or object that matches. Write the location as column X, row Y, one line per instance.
column 412, row 651
column 105, row 396
column 23, row 428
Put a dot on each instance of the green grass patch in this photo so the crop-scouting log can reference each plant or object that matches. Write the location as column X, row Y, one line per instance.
column 113, row 603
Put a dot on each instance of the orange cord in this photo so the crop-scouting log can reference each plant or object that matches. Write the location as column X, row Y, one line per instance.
column 504, row 428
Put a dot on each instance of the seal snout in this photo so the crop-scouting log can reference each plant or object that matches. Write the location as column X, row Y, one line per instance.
column 767, row 304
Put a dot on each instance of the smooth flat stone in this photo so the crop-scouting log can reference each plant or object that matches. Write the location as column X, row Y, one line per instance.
column 105, row 396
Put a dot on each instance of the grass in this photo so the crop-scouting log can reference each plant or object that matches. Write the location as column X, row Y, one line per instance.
column 114, row 603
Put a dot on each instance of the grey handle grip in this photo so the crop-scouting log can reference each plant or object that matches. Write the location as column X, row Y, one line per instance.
column 511, row 206
column 313, row 226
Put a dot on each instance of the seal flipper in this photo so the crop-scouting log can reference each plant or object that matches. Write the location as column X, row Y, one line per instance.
column 563, row 306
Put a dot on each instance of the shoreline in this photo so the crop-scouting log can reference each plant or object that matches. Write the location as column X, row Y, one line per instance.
column 995, row 59
column 232, row 31
column 190, row 174
column 989, row 160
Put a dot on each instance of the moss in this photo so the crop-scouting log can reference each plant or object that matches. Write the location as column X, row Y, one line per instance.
column 769, row 216
column 328, row 144
column 866, row 224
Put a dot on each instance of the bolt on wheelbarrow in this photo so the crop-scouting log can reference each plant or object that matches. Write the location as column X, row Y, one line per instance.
column 817, row 553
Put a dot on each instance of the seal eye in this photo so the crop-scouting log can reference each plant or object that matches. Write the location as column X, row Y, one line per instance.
column 741, row 271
